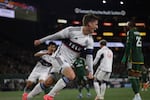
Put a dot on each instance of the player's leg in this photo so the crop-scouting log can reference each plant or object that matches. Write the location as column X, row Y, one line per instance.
column 102, row 79
column 97, row 84
column 79, row 84
column 86, row 85
column 28, row 86
column 55, row 77
column 69, row 75
column 103, row 86
column 41, row 86
column 134, row 75
column 31, row 79
column 97, row 89
column 27, row 89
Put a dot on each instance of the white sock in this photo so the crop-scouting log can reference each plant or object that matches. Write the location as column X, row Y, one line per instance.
column 103, row 89
column 97, row 88
column 138, row 97
column 137, row 94
column 58, row 86
column 37, row 89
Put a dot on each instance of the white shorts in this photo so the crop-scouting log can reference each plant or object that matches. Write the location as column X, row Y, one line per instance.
column 39, row 72
column 59, row 64
column 102, row 75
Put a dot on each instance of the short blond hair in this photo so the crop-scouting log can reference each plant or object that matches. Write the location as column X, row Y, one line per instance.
column 89, row 18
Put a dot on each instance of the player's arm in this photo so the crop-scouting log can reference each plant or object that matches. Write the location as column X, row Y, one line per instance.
column 89, row 57
column 41, row 53
column 127, row 48
column 98, row 58
column 58, row 35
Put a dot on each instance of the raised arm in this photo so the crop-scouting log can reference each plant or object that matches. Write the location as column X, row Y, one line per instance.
column 58, row 35
column 41, row 53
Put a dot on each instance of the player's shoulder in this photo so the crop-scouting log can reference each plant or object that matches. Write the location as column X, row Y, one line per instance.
column 74, row 28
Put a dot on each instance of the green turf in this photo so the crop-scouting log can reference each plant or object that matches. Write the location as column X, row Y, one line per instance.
column 71, row 94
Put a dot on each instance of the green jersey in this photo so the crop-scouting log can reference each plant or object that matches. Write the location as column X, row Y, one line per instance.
column 79, row 67
column 133, row 48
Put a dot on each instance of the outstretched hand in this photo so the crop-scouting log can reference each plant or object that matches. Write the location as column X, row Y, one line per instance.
column 90, row 75
column 37, row 42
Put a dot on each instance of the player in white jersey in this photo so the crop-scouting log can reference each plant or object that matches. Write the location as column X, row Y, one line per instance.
column 42, row 68
column 75, row 39
column 105, row 57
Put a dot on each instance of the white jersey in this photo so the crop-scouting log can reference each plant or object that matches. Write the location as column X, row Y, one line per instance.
column 106, row 61
column 42, row 68
column 73, row 42
column 47, row 58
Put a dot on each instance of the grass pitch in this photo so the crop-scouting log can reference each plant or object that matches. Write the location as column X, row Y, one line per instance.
column 71, row 94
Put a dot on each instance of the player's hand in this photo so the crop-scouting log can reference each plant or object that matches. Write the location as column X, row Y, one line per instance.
column 90, row 75
column 37, row 42
column 123, row 60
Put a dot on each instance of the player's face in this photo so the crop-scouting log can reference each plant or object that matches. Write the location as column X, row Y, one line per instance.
column 51, row 48
column 93, row 26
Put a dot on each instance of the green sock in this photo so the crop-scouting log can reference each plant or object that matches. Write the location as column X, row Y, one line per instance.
column 138, row 85
column 135, row 85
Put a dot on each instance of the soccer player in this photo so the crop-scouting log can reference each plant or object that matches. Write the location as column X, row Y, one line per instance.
column 41, row 70
column 81, row 75
column 134, row 56
column 104, row 60
column 74, row 40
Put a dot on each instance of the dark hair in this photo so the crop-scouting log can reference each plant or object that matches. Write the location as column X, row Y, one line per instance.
column 103, row 42
column 131, row 23
column 89, row 18
column 52, row 43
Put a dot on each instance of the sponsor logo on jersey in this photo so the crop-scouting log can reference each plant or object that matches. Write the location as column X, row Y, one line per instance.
column 73, row 46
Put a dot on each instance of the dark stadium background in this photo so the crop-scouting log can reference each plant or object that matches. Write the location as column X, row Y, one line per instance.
column 17, row 35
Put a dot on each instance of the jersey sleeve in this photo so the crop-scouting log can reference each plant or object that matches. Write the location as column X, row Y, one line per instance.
column 128, row 44
column 58, row 35
column 98, row 55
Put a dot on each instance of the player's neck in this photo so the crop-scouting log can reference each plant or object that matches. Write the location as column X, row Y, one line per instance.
column 85, row 30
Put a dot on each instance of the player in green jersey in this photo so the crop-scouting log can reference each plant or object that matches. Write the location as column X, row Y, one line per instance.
column 81, row 73
column 134, row 57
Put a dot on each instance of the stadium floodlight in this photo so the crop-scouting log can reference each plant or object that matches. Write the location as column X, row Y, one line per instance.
column 75, row 22
column 122, row 24
column 122, row 34
column 140, row 24
column 107, row 24
column 143, row 33
column 108, row 33
column 104, row 1
column 121, row 2
column 63, row 21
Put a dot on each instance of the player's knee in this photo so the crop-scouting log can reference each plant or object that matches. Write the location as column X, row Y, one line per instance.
column 69, row 73
column 48, row 82
column 71, row 77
